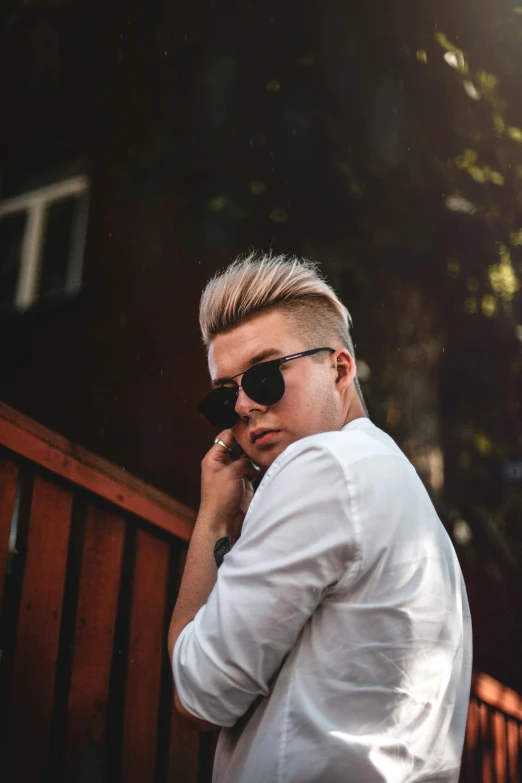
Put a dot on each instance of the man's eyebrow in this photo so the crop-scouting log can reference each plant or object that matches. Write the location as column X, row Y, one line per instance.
column 259, row 357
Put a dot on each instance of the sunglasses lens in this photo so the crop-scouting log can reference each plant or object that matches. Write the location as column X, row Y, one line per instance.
column 264, row 383
column 219, row 407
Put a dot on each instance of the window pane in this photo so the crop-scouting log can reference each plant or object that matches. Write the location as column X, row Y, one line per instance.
column 12, row 229
column 57, row 246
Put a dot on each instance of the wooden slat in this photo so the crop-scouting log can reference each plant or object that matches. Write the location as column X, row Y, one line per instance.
column 93, row 641
column 184, row 744
column 470, row 747
column 183, row 762
column 32, row 686
column 498, row 732
column 85, row 469
column 145, row 654
column 8, row 482
column 487, row 747
column 513, row 731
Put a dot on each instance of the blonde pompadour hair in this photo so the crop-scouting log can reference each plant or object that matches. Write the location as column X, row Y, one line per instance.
column 258, row 282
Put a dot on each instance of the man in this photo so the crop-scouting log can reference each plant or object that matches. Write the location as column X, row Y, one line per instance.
column 334, row 642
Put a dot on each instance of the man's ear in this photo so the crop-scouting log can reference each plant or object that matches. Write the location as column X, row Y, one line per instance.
column 345, row 368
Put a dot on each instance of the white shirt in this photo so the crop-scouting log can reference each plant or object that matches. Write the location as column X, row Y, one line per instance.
column 335, row 646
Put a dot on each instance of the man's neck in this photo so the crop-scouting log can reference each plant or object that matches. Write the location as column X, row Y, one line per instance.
column 355, row 411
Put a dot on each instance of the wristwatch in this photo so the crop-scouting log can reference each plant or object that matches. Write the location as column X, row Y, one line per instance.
column 221, row 549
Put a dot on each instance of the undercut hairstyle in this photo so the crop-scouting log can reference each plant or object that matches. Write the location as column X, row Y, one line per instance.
column 259, row 283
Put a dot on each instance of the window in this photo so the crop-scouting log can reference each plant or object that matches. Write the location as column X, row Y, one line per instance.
column 42, row 241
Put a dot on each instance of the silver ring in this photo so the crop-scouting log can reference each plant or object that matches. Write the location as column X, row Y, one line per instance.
column 220, row 443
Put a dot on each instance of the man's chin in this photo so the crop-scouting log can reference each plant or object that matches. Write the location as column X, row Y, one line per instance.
column 264, row 464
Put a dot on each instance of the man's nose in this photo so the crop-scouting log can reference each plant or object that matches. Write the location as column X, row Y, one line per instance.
column 244, row 405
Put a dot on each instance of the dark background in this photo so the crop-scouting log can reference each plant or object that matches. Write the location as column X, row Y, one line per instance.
column 381, row 139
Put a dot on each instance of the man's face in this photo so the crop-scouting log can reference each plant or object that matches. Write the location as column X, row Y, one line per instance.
column 310, row 404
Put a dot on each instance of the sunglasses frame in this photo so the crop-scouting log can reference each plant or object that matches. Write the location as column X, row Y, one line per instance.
column 276, row 362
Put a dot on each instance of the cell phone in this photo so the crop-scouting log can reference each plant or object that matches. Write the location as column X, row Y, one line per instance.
column 236, row 453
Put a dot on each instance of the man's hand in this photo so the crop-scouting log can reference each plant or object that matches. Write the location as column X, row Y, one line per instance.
column 226, row 492
column 226, row 488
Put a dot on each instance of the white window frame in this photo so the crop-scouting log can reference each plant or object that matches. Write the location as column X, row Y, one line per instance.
column 36, row 204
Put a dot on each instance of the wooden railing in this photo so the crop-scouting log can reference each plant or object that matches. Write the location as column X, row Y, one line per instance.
column 493, row 748
column 90, row 560
column 90, row 563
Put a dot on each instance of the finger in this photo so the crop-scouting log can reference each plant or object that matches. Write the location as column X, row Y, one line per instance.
column 220, row 450
column 222, row 445
column 227, row 440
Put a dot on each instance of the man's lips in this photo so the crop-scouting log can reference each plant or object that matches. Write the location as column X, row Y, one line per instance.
column 263, row 437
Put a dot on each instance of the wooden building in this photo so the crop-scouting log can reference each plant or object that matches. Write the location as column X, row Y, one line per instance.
column 142, row 147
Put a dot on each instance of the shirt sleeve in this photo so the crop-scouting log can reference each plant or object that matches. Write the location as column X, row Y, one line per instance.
column 299, row 538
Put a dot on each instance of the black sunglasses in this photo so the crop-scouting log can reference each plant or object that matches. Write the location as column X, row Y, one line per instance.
column 263, row 383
